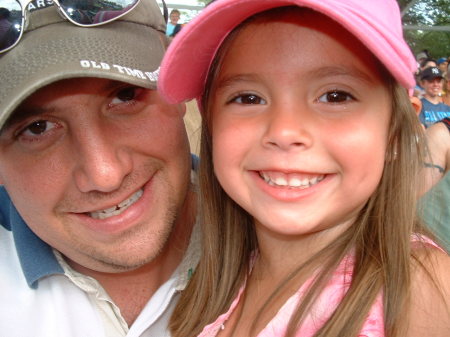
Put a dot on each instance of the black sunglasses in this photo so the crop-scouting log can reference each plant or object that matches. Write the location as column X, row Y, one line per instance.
column 83, row 13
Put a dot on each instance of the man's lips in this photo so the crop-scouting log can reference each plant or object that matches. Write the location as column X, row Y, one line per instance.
column 117, row 209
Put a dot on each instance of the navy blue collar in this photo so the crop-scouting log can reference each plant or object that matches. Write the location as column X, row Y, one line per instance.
column 36, row 257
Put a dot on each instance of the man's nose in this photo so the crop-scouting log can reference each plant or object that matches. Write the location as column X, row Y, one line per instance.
column 102, row 161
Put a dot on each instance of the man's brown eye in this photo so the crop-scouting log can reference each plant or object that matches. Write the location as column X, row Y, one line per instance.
column 127, row 94
column 37, row 127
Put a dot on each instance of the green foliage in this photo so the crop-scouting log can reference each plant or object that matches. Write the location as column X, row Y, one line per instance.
column 204, row 2
column 422, row 13
column 437, row 43
column 427, row 13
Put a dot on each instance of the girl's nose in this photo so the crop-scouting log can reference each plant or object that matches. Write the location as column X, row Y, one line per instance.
column 287, row 129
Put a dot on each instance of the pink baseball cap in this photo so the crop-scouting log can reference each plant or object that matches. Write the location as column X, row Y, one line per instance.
column 377, row 24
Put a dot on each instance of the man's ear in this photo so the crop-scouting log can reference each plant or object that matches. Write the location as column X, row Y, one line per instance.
column 182, row 109
column 416, row 103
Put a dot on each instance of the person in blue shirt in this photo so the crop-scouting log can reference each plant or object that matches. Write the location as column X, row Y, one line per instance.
column 433, row 110
column 173, row 27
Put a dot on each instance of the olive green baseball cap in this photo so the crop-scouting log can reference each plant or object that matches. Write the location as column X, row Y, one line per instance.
column 129, row 49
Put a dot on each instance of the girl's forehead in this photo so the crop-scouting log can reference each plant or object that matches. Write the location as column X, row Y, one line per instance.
column 296, row 19
column 301, row 38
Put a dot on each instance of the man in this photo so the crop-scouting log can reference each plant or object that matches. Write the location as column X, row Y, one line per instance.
column 433, row 110
column 421, row 56
column 96, row 208
column 173, row 27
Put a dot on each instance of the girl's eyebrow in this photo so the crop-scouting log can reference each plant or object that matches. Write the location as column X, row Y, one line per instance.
column 227, row 81
column 320, row 72
column 331, row 71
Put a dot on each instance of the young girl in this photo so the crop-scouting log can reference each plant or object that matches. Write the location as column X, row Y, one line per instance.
column 309, row 164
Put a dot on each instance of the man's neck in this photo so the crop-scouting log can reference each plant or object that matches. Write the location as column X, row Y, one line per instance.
column 433, row 99
column 131, row 290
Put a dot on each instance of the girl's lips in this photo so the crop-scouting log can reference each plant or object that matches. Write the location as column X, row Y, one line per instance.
column 289, row 187
column 290, row 180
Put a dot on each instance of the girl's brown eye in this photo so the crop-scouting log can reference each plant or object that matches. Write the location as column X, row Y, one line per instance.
column 335, row 96
column 248, row 99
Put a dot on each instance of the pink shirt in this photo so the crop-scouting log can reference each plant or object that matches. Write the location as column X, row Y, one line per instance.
column 322, row 309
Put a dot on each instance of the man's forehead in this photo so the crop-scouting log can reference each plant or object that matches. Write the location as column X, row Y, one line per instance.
column 129, row 49
column 75, row 85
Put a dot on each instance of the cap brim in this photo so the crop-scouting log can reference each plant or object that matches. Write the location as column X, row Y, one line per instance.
column 432, row 77
column 198, row 41
column 61, row 51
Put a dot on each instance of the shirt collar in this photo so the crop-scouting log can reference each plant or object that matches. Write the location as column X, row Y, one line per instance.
column 36, row 257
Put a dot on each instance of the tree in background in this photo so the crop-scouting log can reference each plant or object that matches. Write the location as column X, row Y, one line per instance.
column 204, row 2
column 432, row 13
column 421, row 13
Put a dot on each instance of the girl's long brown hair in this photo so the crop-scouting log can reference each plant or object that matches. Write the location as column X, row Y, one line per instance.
column 380, row 236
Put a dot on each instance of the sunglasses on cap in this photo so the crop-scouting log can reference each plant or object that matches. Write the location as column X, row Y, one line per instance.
column 83, row 13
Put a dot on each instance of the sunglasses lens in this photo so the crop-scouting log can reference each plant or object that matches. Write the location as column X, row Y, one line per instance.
column 92, row 12
column 11, row 23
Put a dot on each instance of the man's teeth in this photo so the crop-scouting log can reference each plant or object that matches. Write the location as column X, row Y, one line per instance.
column 291, row 180
column 118, row 209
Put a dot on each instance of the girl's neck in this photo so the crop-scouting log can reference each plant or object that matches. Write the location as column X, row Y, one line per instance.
column 260, row 300
column 279, row 255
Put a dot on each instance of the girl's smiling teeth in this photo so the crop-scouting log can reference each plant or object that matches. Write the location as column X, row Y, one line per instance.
column 290, row 180
column 118, row 209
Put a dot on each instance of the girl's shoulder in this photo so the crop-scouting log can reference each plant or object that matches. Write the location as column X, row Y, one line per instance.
column 430, row 291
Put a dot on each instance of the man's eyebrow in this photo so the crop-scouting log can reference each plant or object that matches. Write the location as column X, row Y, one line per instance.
column 112, row 84
column 24, row 112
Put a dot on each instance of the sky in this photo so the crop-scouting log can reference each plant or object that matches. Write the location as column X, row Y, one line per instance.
column 183, row 2
column 186, row 15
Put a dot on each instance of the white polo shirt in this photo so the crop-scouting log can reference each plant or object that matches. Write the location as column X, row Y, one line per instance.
column 41, row 296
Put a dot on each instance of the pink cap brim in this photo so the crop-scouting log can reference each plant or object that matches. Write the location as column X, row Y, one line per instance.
column 377, row 24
